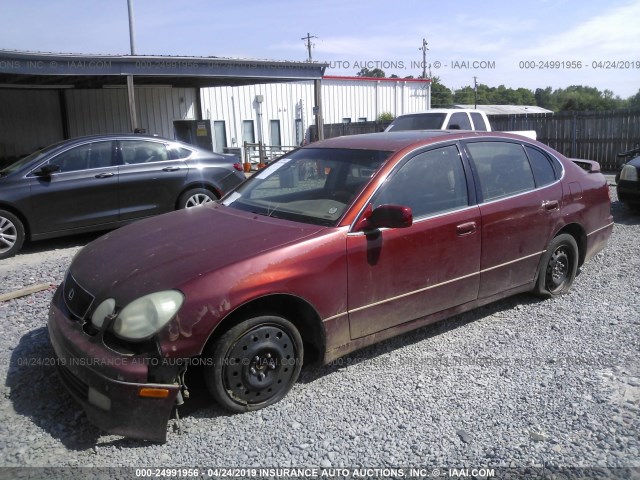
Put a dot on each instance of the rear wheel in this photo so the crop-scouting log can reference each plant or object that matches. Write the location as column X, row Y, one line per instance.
column 255, row 363
column 195, row 197
column 11, row 234
column 559, row 266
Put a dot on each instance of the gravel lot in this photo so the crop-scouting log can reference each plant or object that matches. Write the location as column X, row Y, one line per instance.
column 521, row 382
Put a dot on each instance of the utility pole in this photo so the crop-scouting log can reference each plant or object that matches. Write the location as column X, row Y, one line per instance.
column 424, row 49
column 309, row 44
column 130, row 87
column 475, row 88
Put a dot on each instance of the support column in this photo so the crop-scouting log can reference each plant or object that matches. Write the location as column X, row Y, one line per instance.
column 317, row 90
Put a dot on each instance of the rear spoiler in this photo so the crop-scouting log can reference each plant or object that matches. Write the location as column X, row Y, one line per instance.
column 587, row 165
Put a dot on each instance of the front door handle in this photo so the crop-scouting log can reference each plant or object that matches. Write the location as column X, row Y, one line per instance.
column 105, row 175
column 170, row 169
column 550, row 204
column 466, row 228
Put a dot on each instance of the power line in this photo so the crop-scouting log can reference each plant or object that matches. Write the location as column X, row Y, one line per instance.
column 309, row 44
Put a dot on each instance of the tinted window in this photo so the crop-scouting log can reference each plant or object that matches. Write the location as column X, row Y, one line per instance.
column 177, row 152
column 478, row 121
column 84, row 157
column 461, row 120
column 424, row 121
column 542, row 169
column 431, row 182
column 503, row 168
column 140, row 151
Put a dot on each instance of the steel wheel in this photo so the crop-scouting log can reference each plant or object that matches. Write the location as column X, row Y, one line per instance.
column 195, row 198
column 255, row 363
column 559, row 266
column 11, row 234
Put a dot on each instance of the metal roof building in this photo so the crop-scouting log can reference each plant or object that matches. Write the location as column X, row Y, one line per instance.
column 47, row 97
column 507, row 109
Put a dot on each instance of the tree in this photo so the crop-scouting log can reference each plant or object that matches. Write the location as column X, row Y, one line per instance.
column 375, row 73
column 634, row 101
column 385, row 117
column 545, row 99
column 441, row 96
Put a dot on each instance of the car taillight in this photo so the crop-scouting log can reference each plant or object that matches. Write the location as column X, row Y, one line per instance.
column 237, row 166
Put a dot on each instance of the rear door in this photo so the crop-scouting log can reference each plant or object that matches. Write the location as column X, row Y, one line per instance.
column 151, row 179
column 398, row 275
column 83, row 193
column 519, row 211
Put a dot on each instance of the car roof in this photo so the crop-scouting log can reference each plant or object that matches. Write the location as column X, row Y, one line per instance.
column 441, row 110
column 396, row 141
column 107, row 136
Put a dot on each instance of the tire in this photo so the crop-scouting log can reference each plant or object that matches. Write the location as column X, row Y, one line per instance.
column 195, row 198
column 254, row 364
column 558, row 267
column 11, row 234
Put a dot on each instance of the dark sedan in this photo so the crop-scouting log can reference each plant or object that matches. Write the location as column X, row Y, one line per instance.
column 383, row 233
column 628, row 181
column 103, row 182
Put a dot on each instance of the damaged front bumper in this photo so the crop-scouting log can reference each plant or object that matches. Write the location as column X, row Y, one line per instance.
column 112, row 388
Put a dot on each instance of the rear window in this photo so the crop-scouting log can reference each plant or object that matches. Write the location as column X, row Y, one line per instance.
column 423, row 121
column 459, row 121
column 478, row 122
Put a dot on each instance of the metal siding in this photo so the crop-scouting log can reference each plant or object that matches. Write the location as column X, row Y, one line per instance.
column 29, row 119
column 107, row 110
column 341, row 99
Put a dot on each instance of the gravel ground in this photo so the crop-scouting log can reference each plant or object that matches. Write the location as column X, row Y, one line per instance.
column 521, row 382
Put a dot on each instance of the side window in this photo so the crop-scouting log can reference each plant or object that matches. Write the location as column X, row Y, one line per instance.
column 176, row 152
column 503, row 168
column 542, row 168
column 431, row 182
column 459, row 121
column 141, row 151
column 478, row 122
column 84, row 157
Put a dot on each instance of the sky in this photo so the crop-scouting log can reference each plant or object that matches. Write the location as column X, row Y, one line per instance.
column 554, row 43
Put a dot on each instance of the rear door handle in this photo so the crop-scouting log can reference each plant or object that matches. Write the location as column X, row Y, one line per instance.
column 170, row 169
column 105, row 175
column 550, row 204
column 466, row 228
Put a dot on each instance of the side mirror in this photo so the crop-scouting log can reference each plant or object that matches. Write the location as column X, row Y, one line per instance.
column 453, row 126
column 385, row 216
column 46, row 171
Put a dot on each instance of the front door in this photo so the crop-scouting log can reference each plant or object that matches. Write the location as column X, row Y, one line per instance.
column 83, row 193
column 398, row 275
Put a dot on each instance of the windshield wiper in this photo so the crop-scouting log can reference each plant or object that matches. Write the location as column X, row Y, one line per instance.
column 271, row 212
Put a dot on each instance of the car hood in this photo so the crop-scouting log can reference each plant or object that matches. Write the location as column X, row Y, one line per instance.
column 166, row 251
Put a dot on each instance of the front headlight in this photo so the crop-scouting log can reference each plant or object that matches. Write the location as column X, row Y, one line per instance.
column 629, row 173
column 147, row 315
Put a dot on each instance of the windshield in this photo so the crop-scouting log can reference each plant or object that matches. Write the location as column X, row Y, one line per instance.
column 422, row 121
column 310, row 185
column 14, row 167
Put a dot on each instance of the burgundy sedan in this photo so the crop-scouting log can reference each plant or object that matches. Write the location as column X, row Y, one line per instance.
column 336, row 246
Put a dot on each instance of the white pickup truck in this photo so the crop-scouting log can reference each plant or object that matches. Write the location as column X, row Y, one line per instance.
column 448, row 119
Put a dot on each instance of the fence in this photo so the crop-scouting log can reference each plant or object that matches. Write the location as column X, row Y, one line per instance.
column 598, row 136
column 258, row 153
column 340, row 129
column 595, row 136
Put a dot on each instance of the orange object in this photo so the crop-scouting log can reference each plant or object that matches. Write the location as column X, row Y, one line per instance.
column 153, row 392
